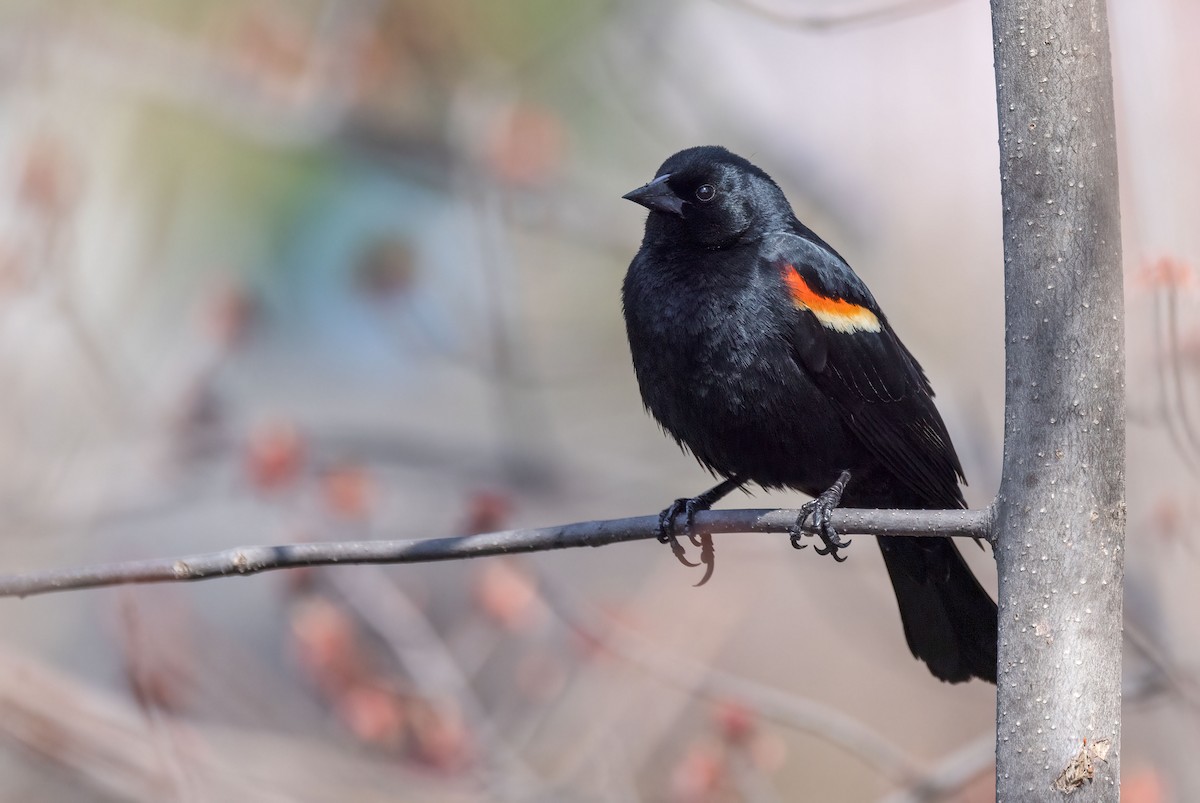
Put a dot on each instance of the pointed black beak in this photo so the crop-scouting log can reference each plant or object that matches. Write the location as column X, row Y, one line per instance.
column 657, row 197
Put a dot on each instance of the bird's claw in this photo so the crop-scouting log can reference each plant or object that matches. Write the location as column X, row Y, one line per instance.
column 666, row 528
column 702, row 541
column 708, row 557
column 820, row 509
column 667, row 535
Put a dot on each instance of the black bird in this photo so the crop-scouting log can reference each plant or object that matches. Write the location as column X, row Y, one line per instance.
column 759, row 350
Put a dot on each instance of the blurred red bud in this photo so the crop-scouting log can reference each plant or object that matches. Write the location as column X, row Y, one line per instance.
column 326, row 644
column 487, row 511
column 47, row 178
column 698, row 775
column 374, row 715
column 736, row 723
column 440, row 736
column 508, row 595
column 274, row 455
column 1144, row 785
column 349, row 491
column 1166, row 271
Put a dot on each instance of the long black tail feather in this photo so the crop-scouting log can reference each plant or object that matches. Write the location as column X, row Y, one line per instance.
column 949, row 620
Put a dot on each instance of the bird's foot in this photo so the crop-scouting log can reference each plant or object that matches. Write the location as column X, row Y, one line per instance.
column 667, row 533
column 667, row 527
column 689, row 508
column 820, row 510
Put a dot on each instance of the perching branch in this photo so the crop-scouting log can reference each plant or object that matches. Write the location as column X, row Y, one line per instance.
column 255, row 559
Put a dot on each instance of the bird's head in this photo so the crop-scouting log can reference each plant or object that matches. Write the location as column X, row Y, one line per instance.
column 711, row 197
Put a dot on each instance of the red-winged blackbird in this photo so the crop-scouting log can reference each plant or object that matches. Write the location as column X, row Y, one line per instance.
column 759, row 349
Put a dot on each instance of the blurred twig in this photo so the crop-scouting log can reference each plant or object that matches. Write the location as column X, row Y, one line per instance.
column 103, row 744
column 800, row 713
column 1164, row 676
column 106, row 746
column 815, row 21
column 965, row 765
column 1189, row 446
column 951, row 775
column 419, row 648
column 255, row 559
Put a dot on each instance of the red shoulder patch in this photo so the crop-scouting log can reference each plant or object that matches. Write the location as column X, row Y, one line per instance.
column 833, row 313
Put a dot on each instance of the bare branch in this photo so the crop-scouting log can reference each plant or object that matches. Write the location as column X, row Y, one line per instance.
column 255, row 559
column 1177, row 373
column 1168, row 374
column 817, row 21
column 101, row 744
column 419, row 648
column 953, row 774
column 791, row 711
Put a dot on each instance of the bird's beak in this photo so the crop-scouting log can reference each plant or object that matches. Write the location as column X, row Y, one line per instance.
column 657, row 196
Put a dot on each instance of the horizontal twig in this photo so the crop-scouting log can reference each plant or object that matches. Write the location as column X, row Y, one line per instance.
column 254, row 559
column 840, row 20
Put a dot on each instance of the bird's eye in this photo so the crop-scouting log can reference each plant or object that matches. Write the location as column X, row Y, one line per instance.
column 706, row 192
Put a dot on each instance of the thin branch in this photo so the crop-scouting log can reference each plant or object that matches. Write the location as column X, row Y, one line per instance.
column 953, row 774
column 817, row 21
column 419, row 648
column 1168, row 375
column 694, row 677
column 1177, row 374
column 255, row 559
column 98, row 743
column 1163, row 666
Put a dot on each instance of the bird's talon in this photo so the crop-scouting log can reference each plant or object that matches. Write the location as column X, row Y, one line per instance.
column 820, row 510
column 831, row 549
column 702, row 541
column 680, row 555
column 667, row 529
column 708, row 557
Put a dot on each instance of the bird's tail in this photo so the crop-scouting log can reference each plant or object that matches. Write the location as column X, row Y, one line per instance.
column 949, row 620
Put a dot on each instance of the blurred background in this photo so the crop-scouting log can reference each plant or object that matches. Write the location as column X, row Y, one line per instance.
column 344, row 269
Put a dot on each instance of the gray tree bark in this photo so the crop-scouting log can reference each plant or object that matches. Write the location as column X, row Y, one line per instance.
column 1060, row 514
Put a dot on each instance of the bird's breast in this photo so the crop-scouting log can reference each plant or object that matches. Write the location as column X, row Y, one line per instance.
column 715, row 368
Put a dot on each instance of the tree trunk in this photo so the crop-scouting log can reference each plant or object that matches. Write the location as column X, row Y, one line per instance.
column 1060, row 514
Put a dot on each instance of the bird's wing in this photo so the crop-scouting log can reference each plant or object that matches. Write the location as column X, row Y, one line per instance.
column 842, row 339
